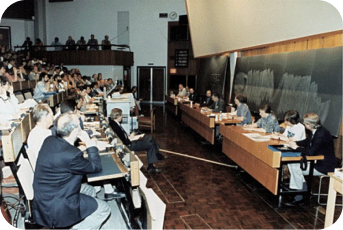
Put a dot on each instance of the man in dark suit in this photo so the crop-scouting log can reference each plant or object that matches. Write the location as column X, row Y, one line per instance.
column 148, row 143
column 218, row 104
column 60, row 199
column 318, row 142
column 208, row 99
column 193, row 96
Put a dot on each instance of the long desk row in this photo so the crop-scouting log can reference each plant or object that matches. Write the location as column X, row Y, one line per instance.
column 199, row 121
column 261, row 162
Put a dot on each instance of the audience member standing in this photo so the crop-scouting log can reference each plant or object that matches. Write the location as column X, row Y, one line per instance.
column 70, row 44
column 57, row 44
column 93, row 43
column 82, row 45
column 106, row 44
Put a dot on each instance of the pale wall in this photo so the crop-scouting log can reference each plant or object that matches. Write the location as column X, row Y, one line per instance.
column 20, row 29
column 230, row 25
column 148, row 32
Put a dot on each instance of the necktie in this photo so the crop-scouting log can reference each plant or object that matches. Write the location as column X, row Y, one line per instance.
column 124, row 132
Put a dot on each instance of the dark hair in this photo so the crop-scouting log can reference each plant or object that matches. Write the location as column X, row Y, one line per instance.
column 42, row 76
column 94, row 84
column 292, row 116
column 133, row 87
column 266, row 108
column 4, row 80
column 68, row 105
column 215, row 94
column 241, row 98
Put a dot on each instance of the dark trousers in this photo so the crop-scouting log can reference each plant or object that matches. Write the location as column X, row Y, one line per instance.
column 150, row 145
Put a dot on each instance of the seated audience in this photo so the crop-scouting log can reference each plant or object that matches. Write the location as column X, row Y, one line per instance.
column 38, row 45
column 9, row 108
column 106, row 44
column 27, row 43
column 96, row 90
column 94, row 78
column 268, row 122
column 82, row 44
column 148, row 143
column 93, row 43
column 182, row 91
column 135, row 96
column 42, row 87
column 187, row 91
column 318, row 142
column 243, row 112
column 207, row 101
column 57, row 44
column 43, row 118
column 70, row 43
column 61, row 201
column 294, row 131
column 218, row 104
column 193, row 96
column 87, row 94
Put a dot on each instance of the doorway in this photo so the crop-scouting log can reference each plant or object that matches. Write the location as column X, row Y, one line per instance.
column 151, row 84
column 5, row 37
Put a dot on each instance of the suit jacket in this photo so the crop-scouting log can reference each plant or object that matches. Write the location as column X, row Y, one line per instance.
column 320, row 144
column 206, row 102
column 120, row 133
column 218, row 106
column 193, row 97
column 57, row 181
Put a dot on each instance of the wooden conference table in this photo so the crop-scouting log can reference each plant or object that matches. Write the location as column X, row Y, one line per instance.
column 260, row 162
column 334, row 187
column 172, row 104
column 201, row 122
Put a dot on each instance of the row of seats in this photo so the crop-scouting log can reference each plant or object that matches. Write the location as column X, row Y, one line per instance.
column 23, row 95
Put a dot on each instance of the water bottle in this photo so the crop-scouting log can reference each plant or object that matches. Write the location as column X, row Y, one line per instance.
column 220, row 116
column 191, row 104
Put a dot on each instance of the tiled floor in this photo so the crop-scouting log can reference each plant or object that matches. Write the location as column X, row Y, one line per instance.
column 203, row 195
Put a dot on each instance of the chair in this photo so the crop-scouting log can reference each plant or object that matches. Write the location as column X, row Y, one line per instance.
column 319, row 194
column 20, row 97
column 28, row 95
column 148, row 121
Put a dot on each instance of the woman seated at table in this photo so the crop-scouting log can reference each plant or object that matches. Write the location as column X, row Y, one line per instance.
column 243, row 112
column 318, row 142
column 294, row 130
column 268, row 122
column 9, row 108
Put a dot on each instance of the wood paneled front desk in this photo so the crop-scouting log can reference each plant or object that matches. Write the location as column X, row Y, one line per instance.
column 260, row 162
column 172, row 104
column 200, row 122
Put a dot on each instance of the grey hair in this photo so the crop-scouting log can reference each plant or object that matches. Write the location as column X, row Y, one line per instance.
column 115, row 113
column 40, row 111
column 312, row 120
column 66, row 123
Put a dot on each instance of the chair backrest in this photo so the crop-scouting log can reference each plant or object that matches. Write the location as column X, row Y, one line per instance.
column 136, row 110
column 152, row 114
column 28, row 95
column 25, row 176
column 20, row 97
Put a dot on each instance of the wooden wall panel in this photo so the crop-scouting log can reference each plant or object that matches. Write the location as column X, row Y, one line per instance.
column 90, row 57
column 332, row 39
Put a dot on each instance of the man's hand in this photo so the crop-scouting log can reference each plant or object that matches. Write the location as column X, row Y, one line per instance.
column 83, row 136
column 10, row 90
column 131, row 135
column 293, row 145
